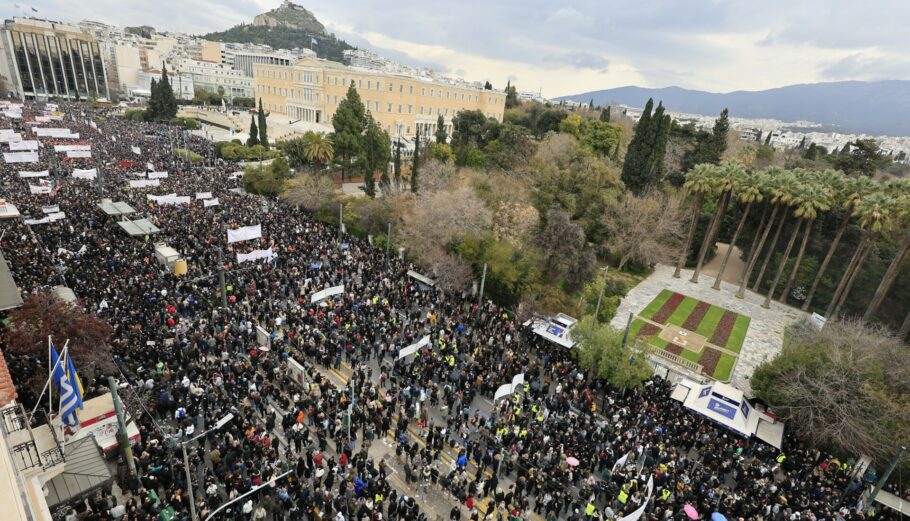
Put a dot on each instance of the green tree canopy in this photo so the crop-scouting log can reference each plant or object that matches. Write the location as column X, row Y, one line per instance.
column 349, row 123
column 599, row 349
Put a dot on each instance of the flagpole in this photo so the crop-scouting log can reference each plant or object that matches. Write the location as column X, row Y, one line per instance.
column 50, row 377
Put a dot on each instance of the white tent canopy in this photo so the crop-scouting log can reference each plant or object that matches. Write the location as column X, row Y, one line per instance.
column 726, row 405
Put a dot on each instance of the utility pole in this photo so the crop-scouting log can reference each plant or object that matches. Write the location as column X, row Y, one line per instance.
column 483, row 281
column 340, row 220
column 189, row 482
column 221, row 278
column 882, row 480
column 599, row 298
column 123, row 437
column 388, row 245
column 625, row 335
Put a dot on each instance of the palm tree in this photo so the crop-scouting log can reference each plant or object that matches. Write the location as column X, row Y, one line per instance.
column 827, row 181
column 748, row 191
column 874, row 215
column 809, row 197
column 319, row 148
column 784, row 191
column 900, row 191
column 773, row 179
column 700, row 181
column 851, row 189
column 725, row 181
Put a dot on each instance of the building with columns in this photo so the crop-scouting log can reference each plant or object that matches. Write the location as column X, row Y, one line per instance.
column 43, row 59
column 312, row 88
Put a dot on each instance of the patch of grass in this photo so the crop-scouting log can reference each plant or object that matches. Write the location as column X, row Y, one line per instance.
column 709, row 322
column 738, row 335
column 690, row 355
column 658, row 342
column 683, row 311
column 656, row 304
column 724, row 367
column 636, row 326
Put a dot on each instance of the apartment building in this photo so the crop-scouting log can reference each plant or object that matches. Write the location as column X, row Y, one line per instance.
column 311, row 90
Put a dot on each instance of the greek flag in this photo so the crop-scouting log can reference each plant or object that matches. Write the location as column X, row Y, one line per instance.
column 70, row 388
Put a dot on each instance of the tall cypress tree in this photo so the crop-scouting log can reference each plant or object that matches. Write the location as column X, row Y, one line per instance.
column 167, row 103
column 153, row 109
column 253, row 140
column 398, row 164
column 637, row 163
column 721, row 128
column 416, row 164
column 349, row 123
column 768, row 139
column 441, row 135
column 263, row 132
column 605, row 115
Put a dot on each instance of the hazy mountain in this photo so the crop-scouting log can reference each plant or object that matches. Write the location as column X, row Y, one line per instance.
column 288, row 26
column 877, row 108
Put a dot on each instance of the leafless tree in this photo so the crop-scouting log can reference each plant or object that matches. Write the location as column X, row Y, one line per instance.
column 646, row 228
column 438, row 218
column 845, row 387
column 312, row 193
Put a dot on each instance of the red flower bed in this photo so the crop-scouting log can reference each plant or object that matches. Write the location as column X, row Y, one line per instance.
column 648, row 330
column 673, row 348
column 668, row 308
column 724, row 328
column 709, row 359
column 695, row 317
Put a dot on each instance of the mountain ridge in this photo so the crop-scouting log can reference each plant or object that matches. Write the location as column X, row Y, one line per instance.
column 875, row 107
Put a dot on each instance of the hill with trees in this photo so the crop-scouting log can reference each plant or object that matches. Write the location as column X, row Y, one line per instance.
column 289, row 26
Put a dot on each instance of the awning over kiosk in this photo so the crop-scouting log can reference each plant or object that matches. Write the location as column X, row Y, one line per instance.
column 726, row 405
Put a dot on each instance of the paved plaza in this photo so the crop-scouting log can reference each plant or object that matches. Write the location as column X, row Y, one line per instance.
column 765, row 336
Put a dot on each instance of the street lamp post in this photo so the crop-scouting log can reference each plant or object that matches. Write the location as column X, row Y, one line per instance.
column 241, row 496
column 186, row 462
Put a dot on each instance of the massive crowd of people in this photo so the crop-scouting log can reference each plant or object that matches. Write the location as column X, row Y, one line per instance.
column 364, row 435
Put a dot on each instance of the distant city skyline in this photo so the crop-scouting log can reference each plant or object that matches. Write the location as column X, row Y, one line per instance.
column 563, row 48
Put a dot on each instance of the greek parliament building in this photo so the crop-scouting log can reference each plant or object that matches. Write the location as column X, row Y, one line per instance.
column 42, row 59
column 311, row 89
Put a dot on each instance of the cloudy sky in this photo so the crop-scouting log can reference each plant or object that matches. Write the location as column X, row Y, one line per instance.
column 565, row 47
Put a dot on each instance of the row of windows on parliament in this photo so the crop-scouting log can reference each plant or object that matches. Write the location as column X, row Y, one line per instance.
column 309, row 77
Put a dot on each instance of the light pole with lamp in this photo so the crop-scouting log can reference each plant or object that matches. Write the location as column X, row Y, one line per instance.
column 253, row 490
column 186, row 461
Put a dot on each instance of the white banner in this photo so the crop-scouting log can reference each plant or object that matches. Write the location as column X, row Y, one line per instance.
column 136, row 150
column 620, row 462
column 52, row 132
column 157, row 175
column 143, row 183
column 91, row 173
column 71, row 148
column 56, row 216
column 210, row 202
column 76, row 154
column 256, row 255
column 24, row 173
column 413, row 348
column 10, row 137
column 203, row 195
column 502, row 391
column 509, row 388
column 31, row 144
column 169, row 199
column 296, row 372
column 40, row 189
column 326, row 293
column 20, row 157
column 51, row 209
column 244, row 233
column 43, row 220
